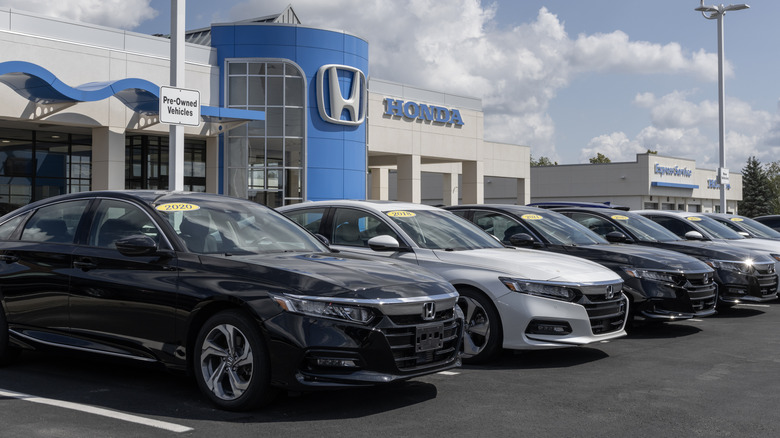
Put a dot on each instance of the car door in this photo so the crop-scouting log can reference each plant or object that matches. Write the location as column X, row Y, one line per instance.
column 123, row 304
column 35, row 268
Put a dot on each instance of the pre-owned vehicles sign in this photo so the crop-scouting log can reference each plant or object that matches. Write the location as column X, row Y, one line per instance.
column 179, row 106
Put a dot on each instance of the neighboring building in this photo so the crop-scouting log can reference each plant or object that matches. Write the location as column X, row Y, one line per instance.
column 651, row 182
column 288, row 114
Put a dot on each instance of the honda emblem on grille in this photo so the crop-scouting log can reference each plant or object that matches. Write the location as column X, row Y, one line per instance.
column 429, row 311
column 610, row 292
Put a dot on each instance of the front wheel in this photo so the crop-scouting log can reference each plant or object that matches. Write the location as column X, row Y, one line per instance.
column 231, row 362
column 482, row 337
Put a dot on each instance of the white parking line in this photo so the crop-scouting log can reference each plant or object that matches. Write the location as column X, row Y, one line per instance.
column 97, row 411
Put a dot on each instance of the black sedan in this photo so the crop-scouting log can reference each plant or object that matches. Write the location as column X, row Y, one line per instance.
column 743, row 275
column 224, row 288
column 662, row 285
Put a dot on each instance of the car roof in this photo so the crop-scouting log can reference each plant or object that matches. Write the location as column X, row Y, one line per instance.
column 554, row 204
column 377, row 206
column 670, row 213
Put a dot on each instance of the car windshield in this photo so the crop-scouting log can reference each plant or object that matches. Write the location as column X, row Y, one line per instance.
column 560, row 230
column 756, row 228
column 644, row 229
column 439, row 229
column 234, row 226
column 715, row 228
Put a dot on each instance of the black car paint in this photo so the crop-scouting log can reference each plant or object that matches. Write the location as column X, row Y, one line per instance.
column 703, row 250
column 151, row 307
column 616, row 257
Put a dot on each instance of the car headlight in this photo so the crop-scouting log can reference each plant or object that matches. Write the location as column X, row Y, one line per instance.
column 775, row 256
column 325, row 309
column 557, row 292
column 666, row 277
column 742, row 267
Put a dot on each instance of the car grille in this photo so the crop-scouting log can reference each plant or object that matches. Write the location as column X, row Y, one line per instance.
column 606, row 314
column 403, row 341
column 767, row 279
column 702, row 291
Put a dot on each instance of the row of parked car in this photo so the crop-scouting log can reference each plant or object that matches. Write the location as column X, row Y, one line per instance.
column 249, row 302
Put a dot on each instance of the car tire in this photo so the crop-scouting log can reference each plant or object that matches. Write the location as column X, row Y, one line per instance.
column 482, row 334
column 231, row 362
column 8, row 353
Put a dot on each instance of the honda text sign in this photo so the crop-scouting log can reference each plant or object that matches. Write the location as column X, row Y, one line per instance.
column 342, row 94
column 179, row 106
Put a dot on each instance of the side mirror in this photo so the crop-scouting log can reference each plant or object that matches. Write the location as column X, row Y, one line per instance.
column 322, row 239
column 694, row 235
column 616, row 237
column 522, row 240
column 383, row 243
column 136, row 245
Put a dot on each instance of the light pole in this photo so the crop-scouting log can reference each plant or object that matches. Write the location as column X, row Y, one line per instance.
column 711, row 13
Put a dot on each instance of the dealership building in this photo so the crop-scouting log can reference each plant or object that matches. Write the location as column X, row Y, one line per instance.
column 651, row 182
column 286, row 113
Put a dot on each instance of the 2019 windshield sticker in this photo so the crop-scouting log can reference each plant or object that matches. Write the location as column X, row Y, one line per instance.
column 177, row 206
column 400, row 213
column 531, row 217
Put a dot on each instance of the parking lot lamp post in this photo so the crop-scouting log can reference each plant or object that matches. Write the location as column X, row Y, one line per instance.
column 717, row 12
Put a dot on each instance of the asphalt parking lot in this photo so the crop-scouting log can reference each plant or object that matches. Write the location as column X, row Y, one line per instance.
column 712, row 378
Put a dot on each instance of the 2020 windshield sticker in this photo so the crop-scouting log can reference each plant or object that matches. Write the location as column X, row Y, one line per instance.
column 177, row 206
column 401, row 213
column 531, row 217
column 619, row 217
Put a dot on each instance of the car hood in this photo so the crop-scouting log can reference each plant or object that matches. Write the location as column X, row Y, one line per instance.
column 640, row 257
column 530, row 264
column 342, row 275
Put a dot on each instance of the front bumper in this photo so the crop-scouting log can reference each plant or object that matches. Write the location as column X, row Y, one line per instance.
column 309, row 353
column 735, row 288
column 526, row 318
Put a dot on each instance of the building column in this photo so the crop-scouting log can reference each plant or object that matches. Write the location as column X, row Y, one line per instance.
column 409, row 187
column 380, row 183
column 473, row 182
column 212, row 164
column 108, row 158
column 523, row 192
column 450, row 188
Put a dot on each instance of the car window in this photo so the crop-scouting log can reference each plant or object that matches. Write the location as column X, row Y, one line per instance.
column 8, row 227
column 440, row 229
column 309, row 218
column 674, row 225
column 499, row 225
column 353, row 227
column 115, row 220
column 55, row 223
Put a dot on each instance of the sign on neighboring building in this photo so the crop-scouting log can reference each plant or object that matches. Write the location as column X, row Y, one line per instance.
column 179, row 106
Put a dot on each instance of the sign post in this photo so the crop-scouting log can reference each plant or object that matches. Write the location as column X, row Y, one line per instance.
column 176, row 135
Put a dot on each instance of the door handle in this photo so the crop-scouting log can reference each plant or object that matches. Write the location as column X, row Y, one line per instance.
column 84, row 265
column 9, row 258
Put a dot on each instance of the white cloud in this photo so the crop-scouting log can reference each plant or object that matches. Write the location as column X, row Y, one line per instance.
column 124, row 14
column 683, row 128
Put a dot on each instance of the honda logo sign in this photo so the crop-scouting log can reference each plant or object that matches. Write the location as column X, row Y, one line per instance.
column 334, row 105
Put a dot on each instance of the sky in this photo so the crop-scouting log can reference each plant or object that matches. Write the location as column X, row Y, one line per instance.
column 568, row 78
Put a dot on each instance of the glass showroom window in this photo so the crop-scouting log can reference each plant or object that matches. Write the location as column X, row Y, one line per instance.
column 265, row 158
column 37, row 164
column 146, row 163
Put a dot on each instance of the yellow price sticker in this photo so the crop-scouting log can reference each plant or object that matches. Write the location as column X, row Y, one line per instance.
column 400, row 213
column 177, row 206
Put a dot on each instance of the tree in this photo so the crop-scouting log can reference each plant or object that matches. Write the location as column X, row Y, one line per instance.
column 651, row 152
column 542, row 161
column 756, row 190
column 599, row 159
column 773, row 173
